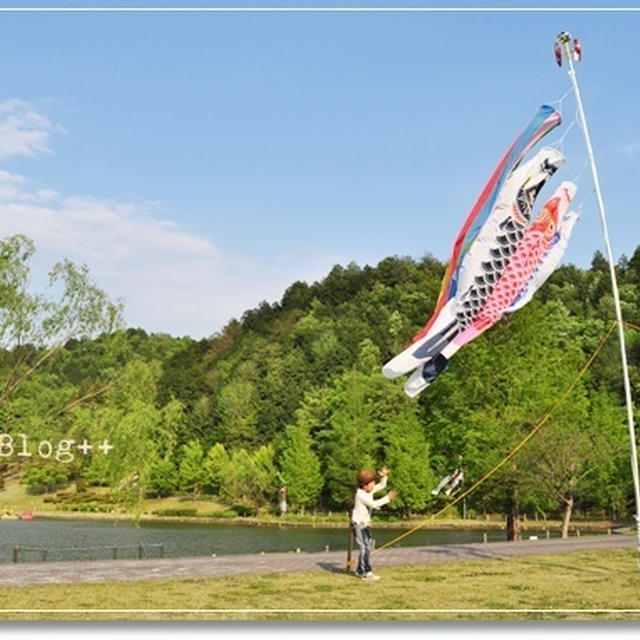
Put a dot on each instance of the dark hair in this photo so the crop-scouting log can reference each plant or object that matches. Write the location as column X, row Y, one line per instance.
column 365, row 477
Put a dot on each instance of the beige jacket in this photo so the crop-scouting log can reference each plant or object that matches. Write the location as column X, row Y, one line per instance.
column 365, row 503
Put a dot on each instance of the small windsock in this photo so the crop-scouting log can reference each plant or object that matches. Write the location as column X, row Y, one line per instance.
column 558, row 53
column 577, row 50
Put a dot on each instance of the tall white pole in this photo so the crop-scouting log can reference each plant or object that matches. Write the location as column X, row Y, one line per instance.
column 564, row 40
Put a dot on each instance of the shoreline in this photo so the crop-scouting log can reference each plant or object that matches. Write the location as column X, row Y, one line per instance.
column 476, row 524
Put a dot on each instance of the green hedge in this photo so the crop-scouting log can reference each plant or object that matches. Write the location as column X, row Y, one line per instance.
column 175, row 512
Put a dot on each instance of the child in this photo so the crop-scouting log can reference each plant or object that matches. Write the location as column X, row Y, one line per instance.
column 361, row 516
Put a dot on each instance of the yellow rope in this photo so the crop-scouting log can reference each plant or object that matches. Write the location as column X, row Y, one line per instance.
column 631, row 326
column 514, row 450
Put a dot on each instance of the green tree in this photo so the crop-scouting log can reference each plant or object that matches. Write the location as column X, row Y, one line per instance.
column 123, row 425
column 497, row 389
column 215, row 463
column 44, row 476
column 191, row 471
column 249, row 479
column 26, row 318
column 352, row 442
column 162, row 476
column 366, row 414
column 239, row 478
column 300, row 467
column 264, row 487
column 238, row 413
column 408, row 458
column 33, row 331
column 574, row 455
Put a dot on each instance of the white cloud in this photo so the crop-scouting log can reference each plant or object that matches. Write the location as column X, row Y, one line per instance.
column 24, row 131
column 170, row 280
column 159, row 270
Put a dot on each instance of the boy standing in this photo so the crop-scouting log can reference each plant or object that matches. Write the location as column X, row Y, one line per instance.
column 361, row 516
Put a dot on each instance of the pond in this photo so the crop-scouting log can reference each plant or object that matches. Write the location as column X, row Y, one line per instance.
column 96, row 539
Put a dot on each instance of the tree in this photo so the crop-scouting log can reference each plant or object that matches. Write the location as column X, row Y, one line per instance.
column 191, row 472
column 576, row 452
column 44, row 476
column 162, row 476
column 368, row 419
column 264, row 488
column 33, row 330
column 239, row 478
column 238, row 413
column 126, row 420
column 352, row 442
column 407, row 454
column 81, row 309
column 278, row 388
column 215, row 462
column 299, row 381
column 498, row 389
column 300, row 467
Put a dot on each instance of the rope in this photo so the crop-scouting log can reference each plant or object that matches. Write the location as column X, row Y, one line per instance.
column 560, row 100
column 579, row 175
column 513, row 452
column 631, row 326
column 559, row 143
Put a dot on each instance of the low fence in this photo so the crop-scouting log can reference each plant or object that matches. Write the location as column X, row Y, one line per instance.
column 110, row 552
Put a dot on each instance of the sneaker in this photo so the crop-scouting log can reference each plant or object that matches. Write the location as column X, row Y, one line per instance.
column 371, row 576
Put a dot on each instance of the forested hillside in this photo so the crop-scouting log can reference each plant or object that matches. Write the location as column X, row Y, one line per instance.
column 293, row 391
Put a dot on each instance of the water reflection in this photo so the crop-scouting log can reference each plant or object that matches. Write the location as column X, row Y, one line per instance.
column 181, row 539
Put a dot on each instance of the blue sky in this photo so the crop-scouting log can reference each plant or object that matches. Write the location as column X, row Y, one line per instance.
column 199, row 163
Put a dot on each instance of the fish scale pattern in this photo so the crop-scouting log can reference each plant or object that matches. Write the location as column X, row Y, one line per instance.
column 490, row 276
column 520, row 267
column 505, row 245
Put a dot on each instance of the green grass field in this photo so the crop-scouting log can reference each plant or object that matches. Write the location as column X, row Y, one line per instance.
column 603, row 585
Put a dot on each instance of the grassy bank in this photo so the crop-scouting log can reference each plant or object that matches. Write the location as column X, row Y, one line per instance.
column 14, row 498
column 603, row 585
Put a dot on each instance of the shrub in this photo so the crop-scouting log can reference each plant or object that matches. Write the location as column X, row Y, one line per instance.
column 229, row 513
column 243, row 510
column 175, row 512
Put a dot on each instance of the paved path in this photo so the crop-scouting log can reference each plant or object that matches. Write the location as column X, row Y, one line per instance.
column 116, row 570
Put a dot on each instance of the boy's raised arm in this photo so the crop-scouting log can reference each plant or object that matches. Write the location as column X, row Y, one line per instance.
column 382, row 483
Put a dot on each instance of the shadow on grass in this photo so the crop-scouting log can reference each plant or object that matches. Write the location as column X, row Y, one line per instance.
column 332, row 567
column 424, row 555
